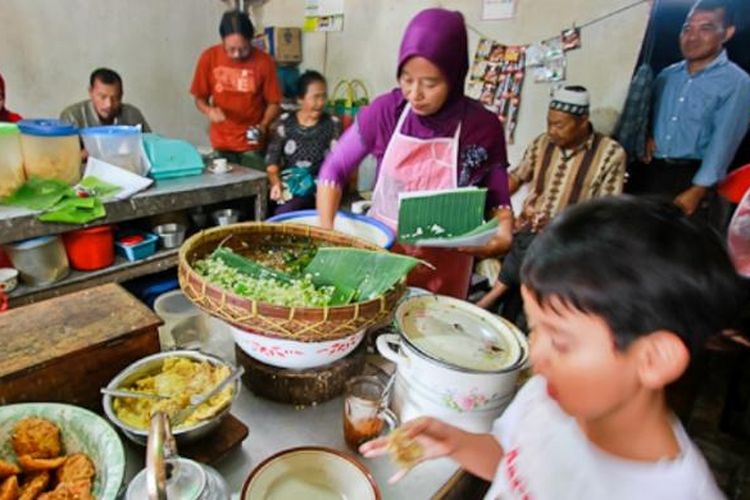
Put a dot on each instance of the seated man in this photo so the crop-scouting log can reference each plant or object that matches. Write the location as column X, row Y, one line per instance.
column 567, row 164
column 104, row 106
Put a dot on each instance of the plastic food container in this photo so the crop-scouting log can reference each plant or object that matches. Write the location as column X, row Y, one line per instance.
column 50, row 150
column 120, row 145
column 90, row 249
column 40, row 261
column 12, row 175
column 139, row 249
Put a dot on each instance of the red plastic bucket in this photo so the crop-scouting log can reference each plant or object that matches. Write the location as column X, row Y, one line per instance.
column 90, row 249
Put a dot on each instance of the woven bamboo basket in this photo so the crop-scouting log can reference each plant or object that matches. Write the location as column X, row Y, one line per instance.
column 305, row 324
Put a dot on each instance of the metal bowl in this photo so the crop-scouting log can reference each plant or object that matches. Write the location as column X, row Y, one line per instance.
column 226, row 216
column 171, row 235
column 150, row 365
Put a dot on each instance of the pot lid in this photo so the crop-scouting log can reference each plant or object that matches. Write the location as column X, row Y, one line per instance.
column 32, row 242
column 460, row 334
column 112, row 130
column 47, row 127
column 186, row 480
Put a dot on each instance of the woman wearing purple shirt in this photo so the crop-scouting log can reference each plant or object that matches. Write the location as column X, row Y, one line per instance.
column 427, row 135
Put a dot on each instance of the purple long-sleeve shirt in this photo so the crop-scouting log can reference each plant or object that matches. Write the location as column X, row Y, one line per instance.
column 482, row 159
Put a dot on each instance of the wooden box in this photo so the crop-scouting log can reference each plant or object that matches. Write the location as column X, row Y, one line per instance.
column 66, row 348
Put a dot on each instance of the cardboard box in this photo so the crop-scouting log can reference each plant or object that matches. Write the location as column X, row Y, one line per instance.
column 285, row 44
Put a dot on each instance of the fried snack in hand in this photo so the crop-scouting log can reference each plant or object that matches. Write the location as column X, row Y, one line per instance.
column 73, row 490
column 31, row 464
column 8, row 469
column 77, row 466
column 403, row 451
column 9, row 489
column 34, row 486
column 37, row 437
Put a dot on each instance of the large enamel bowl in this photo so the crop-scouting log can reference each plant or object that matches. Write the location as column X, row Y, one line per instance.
column 293, row 354
column 357, row 225
column 308, row 473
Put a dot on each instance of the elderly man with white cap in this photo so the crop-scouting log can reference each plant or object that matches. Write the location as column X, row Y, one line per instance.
column 565, row 165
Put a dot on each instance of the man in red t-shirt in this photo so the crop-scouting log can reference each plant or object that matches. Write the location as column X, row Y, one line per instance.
column 235, row 85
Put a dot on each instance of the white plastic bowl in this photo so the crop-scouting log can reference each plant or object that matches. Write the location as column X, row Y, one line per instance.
column 356, row 225
column 293, row 354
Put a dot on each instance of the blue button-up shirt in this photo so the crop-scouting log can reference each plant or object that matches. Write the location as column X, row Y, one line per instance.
column 702, row 116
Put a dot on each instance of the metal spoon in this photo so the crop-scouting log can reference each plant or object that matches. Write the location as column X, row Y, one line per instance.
column 199, row 399
column 122, row 393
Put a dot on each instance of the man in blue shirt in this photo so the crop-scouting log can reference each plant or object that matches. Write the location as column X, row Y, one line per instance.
column 701, row 112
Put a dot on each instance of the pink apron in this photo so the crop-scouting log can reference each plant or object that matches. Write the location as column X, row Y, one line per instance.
column 411, row 164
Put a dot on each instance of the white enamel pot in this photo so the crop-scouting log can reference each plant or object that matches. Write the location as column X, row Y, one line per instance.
column 475, row 375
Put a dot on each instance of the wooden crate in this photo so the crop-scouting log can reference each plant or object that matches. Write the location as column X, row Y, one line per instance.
column 65, row 349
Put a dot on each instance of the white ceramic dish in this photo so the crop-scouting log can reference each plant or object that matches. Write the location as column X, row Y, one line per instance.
column 81, row 431
column 360, row 226
column 293, row 354
column 8, row 279
column 310, row 473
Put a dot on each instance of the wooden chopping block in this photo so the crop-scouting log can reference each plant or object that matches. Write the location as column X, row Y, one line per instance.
column 66, row 348
column 300, row 387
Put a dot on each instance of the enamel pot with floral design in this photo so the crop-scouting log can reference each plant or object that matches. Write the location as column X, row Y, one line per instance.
column 455, row 361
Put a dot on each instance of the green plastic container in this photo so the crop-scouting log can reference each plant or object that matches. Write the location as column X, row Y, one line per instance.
column 12, row 175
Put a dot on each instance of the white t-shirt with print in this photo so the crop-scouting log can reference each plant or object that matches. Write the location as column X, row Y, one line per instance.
column 547, row 457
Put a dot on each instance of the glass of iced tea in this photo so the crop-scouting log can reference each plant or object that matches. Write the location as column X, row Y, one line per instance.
column 366, row 413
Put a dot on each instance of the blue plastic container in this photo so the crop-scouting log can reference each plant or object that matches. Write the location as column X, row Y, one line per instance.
column 140, row 250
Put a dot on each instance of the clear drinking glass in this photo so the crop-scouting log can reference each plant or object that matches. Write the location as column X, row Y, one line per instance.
column 366, row 413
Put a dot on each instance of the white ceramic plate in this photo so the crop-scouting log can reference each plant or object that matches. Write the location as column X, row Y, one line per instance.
column 81, row 431
column 360, row 226
column 310, row 473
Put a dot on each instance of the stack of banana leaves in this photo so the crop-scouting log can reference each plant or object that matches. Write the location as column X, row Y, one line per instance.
column 334, row 276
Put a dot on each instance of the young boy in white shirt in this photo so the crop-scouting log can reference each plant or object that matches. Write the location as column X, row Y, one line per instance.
column 617, row 292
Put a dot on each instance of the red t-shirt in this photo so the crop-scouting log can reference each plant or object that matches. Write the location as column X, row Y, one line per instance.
column 241, row 89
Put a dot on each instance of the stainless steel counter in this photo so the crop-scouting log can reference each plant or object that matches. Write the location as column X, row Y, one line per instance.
column 275, row 427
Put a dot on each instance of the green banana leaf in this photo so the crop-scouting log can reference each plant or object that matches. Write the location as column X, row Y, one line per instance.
column 75, row 210
column 440, row 214
column 368, row 274
column 250, row 267
column 39, row 194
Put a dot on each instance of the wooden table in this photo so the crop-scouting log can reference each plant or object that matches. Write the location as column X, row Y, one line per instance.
column 164, row 196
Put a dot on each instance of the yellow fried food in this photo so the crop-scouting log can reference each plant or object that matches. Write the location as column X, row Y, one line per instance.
column 31, row 464
column 179, row 379
column 404, row 451
column 8, row 469
column 73, row 490
column 37, row 437
column 34, row 486
column 76, row 467
column 9, row 489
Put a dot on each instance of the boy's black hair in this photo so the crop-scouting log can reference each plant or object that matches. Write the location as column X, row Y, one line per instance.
column 711, row 5
column 639, row 264
column 306, row 79
column 106, row 76
column 236, row 22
